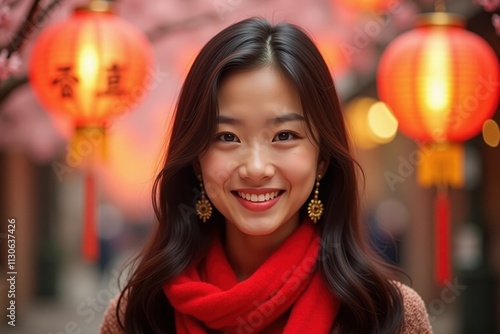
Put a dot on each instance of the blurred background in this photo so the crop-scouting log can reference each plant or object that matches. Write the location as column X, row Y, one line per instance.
column 42, row 179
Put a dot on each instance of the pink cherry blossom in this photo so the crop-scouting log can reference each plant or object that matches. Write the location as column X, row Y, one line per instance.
column 495, row 19
column 489, row 5
column 4, row 16
column 4, row 71
column 9, row 65
column 14, row 65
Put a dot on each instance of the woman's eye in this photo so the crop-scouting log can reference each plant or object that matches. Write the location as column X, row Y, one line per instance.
column 227, row 137
column 284, row 136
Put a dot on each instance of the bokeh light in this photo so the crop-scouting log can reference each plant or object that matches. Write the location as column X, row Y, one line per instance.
column 491, row 133
column 382, row 123
column 370, row 122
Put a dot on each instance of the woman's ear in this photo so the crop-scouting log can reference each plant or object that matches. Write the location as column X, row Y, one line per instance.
column 322, row 167
column 197, row 167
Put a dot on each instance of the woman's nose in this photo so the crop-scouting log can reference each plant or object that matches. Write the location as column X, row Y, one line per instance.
column 257, row 163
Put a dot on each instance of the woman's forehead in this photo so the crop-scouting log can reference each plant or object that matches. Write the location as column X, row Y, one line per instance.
column 254, row 92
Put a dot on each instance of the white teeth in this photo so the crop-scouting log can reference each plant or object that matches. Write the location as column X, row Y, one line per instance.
column 258, row 198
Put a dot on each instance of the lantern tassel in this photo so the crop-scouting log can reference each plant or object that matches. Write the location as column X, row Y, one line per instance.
column 442, row 237
column 441, row 163
column 90, row 246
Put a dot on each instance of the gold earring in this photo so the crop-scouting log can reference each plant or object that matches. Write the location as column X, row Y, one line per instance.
column 203, row 206
column 315, row 208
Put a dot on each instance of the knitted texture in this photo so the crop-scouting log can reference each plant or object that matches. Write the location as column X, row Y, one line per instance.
column 416, row 318
column 286, row 294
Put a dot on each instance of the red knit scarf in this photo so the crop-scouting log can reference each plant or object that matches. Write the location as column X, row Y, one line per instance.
column 285, row 295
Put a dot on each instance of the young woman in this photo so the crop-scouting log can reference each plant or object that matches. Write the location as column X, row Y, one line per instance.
column 257, row 205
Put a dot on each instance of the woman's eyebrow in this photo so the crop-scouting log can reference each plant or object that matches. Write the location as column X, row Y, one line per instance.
column 222, row 119
column 290, row 117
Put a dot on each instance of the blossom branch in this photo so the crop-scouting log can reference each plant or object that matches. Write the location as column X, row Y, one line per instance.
column 24, row 30
column 491, row 6
column 10, row 62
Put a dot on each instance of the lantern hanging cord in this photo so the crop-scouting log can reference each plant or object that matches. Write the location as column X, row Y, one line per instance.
column 440, row 6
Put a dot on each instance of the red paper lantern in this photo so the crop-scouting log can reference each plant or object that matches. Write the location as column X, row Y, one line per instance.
column 91, row 67
column 440, row 82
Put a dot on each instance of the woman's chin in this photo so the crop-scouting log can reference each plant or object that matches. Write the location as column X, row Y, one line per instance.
column 258, row 230
column 263, row 227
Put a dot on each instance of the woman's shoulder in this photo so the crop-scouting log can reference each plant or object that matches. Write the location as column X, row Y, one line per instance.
column 416, row 317
column 110, row 323
column 415, row 313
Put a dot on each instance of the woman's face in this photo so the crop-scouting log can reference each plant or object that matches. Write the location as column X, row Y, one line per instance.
column 262, row 165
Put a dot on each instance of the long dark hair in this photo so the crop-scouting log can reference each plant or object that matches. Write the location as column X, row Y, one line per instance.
column 370, row 303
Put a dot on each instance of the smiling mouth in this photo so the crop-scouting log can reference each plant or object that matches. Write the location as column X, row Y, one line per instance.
column 258, row 197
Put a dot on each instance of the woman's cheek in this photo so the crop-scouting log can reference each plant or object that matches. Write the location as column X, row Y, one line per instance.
column 300, row 161
column 216, row 169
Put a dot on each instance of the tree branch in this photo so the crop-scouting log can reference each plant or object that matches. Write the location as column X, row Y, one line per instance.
column 24, row 30
column 33, row 22
column 27, row 28
column 46, row 11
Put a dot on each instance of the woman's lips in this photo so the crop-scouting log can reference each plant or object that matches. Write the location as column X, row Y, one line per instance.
column 257, row 205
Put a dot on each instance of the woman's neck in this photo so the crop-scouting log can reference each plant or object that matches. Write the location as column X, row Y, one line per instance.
column 246, row 253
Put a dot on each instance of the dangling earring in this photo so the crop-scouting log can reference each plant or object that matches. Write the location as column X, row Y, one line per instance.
column 203, row 206
column 315, row 208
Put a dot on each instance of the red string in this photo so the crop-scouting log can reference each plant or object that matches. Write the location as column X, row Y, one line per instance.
column 442, row 241
column 90, row 246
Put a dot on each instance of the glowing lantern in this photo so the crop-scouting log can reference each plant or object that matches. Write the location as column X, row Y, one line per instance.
column 91, row 67
column 440, row 82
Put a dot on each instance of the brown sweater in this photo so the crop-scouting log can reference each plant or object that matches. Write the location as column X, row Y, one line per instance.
column 416, row 318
